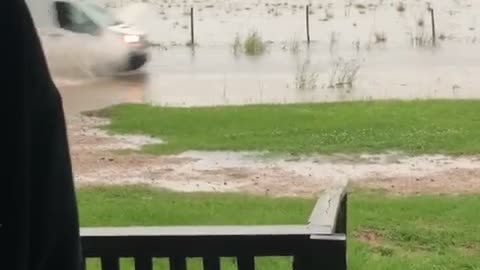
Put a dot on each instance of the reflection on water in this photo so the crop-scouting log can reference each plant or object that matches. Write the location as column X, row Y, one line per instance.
column 214, row 76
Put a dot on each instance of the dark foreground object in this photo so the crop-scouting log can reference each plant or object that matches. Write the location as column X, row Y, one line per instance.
column 38, row 220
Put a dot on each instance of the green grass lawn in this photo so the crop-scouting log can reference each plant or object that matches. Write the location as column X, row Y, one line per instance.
column 385, row 231
column 451, row 127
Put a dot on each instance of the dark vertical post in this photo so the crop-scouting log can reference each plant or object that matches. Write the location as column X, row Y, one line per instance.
column 143, row 263
column 307, row 16
column 335, row 257
column 192, row 29
column 341, row 219
column 110, row 263
column 84, row 263
column 434, row 35
column 246, row 263
column 211, row 263
column 302, row 262
column 178, row 263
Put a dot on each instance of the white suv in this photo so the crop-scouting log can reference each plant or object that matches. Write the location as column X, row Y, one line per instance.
column 99, row 31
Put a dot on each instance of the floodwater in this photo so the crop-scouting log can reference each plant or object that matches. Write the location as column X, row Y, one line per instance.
column 212, row 74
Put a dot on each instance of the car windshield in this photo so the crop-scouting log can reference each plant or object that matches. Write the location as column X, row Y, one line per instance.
column 99, row 14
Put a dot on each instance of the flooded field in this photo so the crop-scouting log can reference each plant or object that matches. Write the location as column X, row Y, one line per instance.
column 360, row 50
column 213, row 77
column 281, row 21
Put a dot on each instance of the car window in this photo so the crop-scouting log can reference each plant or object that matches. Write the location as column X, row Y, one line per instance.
column 99, row 14
column 73, row 19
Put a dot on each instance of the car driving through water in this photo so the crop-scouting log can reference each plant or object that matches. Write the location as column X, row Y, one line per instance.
column 80, row 31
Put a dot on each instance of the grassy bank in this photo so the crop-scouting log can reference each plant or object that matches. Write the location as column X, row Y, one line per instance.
column 451, row 127
column 385, row 231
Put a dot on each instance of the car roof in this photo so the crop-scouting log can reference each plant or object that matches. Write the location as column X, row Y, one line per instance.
column 43, row 12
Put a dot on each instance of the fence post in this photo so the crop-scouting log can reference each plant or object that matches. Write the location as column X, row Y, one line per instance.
column 192, row 29
column 307, row 16
column 434, row 36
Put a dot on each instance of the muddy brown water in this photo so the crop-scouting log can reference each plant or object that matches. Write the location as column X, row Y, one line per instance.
column 214, row 76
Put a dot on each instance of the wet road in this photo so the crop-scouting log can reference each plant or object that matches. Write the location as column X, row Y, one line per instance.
column 214, row 76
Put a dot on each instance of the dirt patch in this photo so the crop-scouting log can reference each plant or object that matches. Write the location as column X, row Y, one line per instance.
column 370, row 236
column 457, row 180
column 96, row 160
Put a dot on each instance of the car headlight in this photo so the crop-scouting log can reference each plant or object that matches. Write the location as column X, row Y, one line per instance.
column 131, row 38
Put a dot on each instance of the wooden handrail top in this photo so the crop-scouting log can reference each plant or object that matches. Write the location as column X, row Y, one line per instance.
column 327, row 208
column 206, row 231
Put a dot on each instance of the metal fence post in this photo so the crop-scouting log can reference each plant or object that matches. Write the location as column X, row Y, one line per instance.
column 434, row 36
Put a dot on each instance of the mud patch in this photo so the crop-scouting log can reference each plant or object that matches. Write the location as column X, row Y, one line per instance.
column 87, row 134
column 454, row 180
column 97, row 161
column 371, row 237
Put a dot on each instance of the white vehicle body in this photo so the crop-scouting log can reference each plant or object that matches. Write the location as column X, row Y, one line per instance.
column 83, row 34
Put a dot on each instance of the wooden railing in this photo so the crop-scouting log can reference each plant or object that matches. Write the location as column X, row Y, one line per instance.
column 320, row 244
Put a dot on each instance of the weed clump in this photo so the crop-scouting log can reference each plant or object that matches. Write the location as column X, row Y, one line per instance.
column 360, row 6
column 380, row 37
column 254, row 44
column 420, row 22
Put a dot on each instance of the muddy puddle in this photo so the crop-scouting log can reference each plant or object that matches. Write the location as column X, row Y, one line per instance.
column 96, row 161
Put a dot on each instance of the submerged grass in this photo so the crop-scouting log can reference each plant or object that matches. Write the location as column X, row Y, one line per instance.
column 254, row 44
column 434, row 126
column 305, row 78
column 384, row 231
column 237, row 45
column 343, row 73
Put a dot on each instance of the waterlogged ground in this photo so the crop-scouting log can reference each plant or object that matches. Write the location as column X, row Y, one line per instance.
column 96, row 161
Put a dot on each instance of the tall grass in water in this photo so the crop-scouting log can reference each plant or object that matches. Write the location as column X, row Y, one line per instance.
column 237, row 45
column 294, row 45
column 344, row 73
column 305, row 78
column 421, row 37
